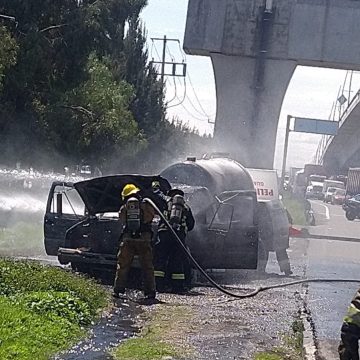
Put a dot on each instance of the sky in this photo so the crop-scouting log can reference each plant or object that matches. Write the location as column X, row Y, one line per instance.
column 312, row 92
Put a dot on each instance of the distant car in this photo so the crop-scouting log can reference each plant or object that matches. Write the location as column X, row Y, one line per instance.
column 329, row 192
column 338, row 197
column 352, row 208
column 314, row 192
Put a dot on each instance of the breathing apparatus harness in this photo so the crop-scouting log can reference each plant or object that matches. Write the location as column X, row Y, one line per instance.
column 134, row 218
column 224, row 290
column 176, row 207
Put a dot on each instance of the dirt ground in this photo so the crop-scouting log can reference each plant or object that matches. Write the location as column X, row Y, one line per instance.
column 211, row 325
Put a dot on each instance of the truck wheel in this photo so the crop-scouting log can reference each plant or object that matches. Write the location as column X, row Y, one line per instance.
column 350, row 215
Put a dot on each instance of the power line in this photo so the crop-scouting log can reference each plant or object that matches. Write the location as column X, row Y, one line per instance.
column 182, row 100
column 202, row 112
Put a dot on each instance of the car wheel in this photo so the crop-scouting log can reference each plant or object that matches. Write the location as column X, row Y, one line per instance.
column 350, row 215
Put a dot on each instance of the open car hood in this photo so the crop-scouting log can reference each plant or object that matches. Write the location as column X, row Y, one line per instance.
column 103, row 194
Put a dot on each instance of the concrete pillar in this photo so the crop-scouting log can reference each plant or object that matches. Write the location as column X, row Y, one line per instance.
column 247, row 117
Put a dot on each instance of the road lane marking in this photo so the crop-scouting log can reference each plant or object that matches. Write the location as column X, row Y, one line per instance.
column 327, row 212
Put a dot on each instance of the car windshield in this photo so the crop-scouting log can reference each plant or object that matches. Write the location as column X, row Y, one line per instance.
column 331, row 190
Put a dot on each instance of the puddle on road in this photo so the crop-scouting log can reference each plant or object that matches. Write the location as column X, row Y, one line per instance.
column 113, row 327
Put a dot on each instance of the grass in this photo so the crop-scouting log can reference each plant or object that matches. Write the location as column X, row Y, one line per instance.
column 159, row 337
column 44, row 309
column 27, row 335
column 295, row 207
column 292, row 348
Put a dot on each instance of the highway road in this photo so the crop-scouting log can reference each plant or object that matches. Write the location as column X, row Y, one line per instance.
column 329, row 258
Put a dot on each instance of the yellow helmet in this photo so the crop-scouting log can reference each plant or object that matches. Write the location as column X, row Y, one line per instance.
column 129, row 189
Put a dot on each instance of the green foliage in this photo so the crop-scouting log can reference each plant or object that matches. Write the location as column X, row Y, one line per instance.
column 8, row 50
column 56, row 304
column 268, row 356
column 43, row 309
column 26, row 335
column 82, row 88
column 98, row 117
column 296, row 208
column 144, row 349
column 19, row 277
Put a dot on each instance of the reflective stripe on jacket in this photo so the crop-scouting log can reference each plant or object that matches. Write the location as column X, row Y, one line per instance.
column 353, row 314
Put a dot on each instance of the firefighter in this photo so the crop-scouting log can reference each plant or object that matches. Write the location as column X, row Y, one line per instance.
column 170, row 260
column 136, row 217
column 159, row 196
column 271, row 243
column 350, row 331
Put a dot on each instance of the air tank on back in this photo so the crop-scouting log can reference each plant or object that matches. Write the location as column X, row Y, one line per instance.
column 222, row 197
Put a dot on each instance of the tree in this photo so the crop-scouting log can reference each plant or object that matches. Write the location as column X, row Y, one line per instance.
column 8, row 51
column 75, row 84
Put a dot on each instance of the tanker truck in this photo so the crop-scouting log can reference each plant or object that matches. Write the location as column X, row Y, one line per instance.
column 223, row 199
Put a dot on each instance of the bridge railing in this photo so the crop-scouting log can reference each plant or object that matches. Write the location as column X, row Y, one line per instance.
column 343, row 116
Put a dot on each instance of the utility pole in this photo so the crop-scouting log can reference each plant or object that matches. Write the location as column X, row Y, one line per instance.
column 285, row 149
column 163, row 61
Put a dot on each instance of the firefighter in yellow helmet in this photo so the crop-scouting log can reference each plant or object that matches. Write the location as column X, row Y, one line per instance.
column 136, row 217
column 350, row 331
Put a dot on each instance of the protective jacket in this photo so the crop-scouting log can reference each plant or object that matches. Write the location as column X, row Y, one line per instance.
column 350, row 331
column 170, row 261
column 136, row 243
column 353, row 313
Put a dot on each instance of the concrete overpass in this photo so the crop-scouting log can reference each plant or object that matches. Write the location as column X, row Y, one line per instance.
column 255, row 46
column 343, row 150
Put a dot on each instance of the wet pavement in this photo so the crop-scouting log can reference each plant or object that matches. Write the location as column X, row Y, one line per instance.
column 328, row 258
column 120, row 322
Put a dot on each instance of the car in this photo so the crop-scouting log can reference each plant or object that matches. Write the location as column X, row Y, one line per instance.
column 314, row 192
column 352, row 208
column 338, row 197
column 329, row 192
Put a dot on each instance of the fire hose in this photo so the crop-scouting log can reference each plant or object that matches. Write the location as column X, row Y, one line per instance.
column 223, row 289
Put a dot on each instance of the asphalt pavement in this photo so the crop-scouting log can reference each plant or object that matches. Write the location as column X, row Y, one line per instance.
column 335, row 259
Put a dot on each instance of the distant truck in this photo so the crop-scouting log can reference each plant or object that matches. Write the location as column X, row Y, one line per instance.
column 311, row 175
column 314, row 169
column 353, row 182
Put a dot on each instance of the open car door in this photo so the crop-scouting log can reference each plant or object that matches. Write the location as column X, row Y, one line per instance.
column 64, row 209
column 230, row 239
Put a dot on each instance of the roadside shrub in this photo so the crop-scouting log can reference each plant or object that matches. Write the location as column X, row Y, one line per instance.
column 25, row 335
column 19, row 277
column 61, row 304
